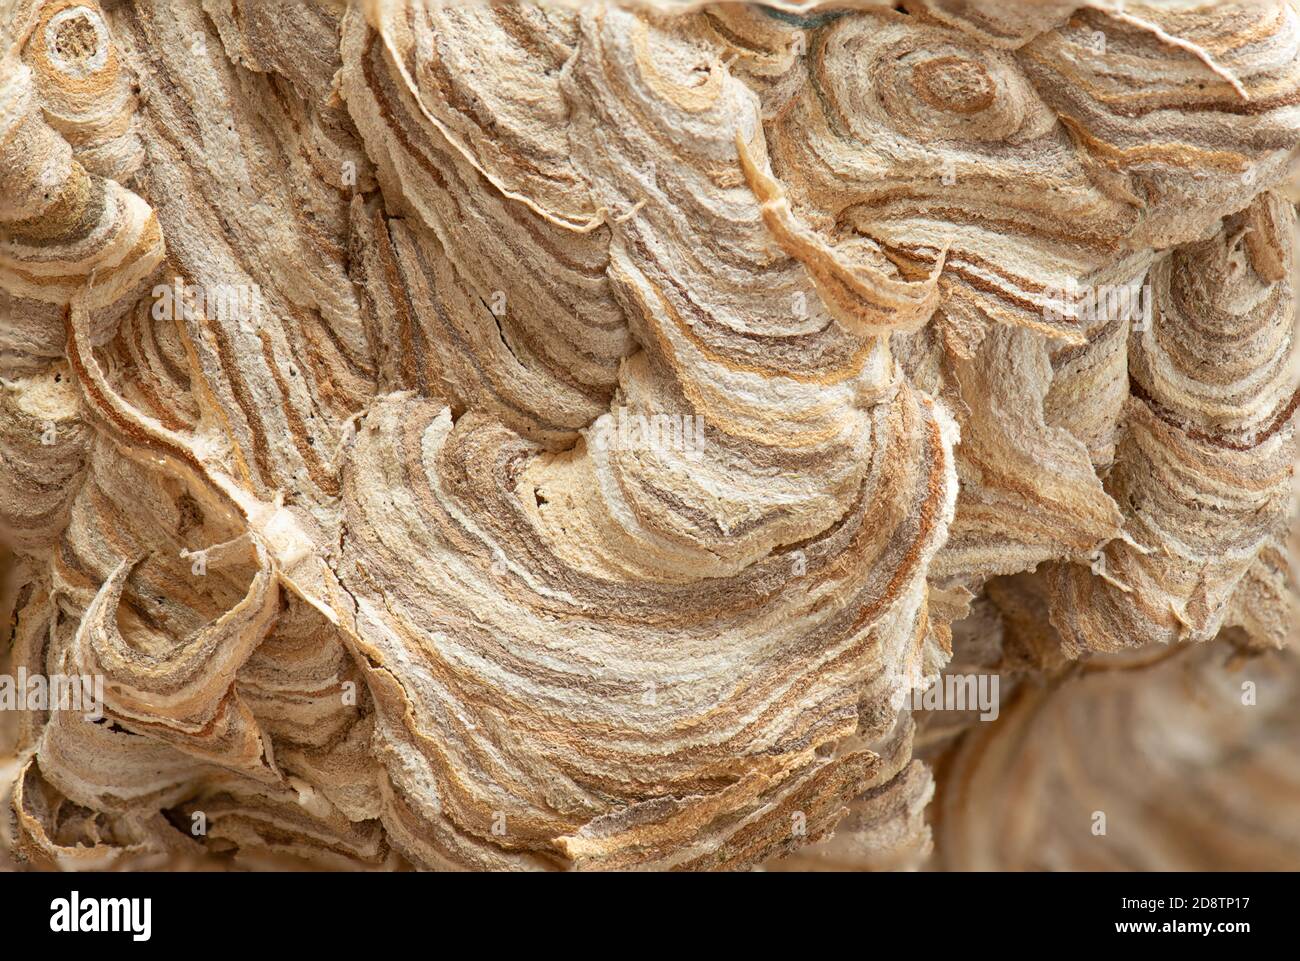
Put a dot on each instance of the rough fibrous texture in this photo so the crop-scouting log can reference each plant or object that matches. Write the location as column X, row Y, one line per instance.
column 537, row 437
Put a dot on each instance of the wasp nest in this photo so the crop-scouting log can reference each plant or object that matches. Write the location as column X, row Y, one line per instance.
column 524, row 436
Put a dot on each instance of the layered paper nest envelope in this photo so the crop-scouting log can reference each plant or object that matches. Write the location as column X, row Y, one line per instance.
column 660, row 436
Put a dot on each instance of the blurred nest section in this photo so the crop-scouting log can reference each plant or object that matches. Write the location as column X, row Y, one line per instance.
column 649, row 436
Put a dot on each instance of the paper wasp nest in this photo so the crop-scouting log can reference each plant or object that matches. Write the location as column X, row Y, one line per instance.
column 532, row 436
